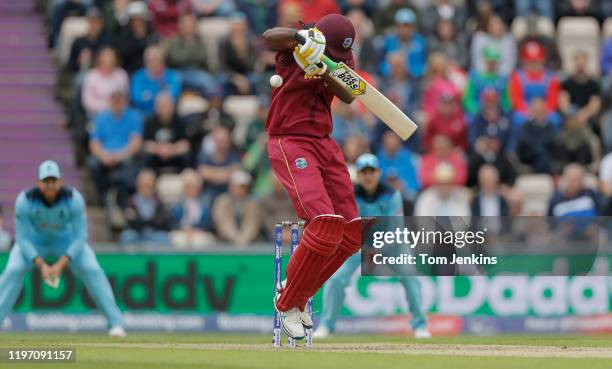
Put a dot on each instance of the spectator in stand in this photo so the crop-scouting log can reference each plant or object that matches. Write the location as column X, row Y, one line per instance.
column 478, row 83
column 200, row 125
column 488, row 150
column 384, row 18
column 238, row 57
column 497, row 36
column 217, row 160
column 85, row 47
column 147, row 218
column 192, row 216
column 575, row 143
column 443, row 10
column 571, row 203
column 444, row 197
column 213, row 8
column 367, row 7
column 446, row 40
column 136, row 37
column 399, row 164
column 236, row 214
column 399, row 87
column 116, row 16
column 62, row 10
column 442, row 151
column 489, row 201
column 152, row 79
column 115, row 140
column 186, row 52
column 580, row 94
column 580, row 8
column 166, row 14
column 553, row 59
column 606, row 68
column 261, row 14
column 276, row 205
column 364, row 51
column 605, row 178
column 347, row 122
column 307, row 11
column 480, row 13
column 405, row 38
column 448, row 120
column 492, row 122
column 544, row 8
column 352, row 147
column 5, row 236
column 438, row 82
column 101, row 81
column 532, row 81
column 536, row 146
column 166, row 148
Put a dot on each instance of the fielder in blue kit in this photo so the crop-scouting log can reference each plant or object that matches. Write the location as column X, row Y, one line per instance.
column 50, row 220
column 374, row 198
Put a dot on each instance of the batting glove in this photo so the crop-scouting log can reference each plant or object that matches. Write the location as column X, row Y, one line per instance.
column 314, row 47
column 310, row 69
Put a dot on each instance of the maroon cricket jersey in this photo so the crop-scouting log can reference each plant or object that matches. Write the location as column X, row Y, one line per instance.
column 301, row 106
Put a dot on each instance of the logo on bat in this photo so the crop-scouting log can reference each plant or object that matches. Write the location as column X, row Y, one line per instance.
column 350, row 80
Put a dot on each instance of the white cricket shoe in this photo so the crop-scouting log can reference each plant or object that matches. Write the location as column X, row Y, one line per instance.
column 422, row 334
column 117, row 331
column 291, row 322
column 304, row 315
column 322, row 332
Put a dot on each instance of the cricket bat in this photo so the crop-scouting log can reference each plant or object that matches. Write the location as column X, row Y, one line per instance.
column 370, row 97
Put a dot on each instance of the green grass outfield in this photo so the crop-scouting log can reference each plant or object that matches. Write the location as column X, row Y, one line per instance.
column 169, row 351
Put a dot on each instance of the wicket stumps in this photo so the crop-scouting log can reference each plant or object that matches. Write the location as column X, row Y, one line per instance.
column 296, row 228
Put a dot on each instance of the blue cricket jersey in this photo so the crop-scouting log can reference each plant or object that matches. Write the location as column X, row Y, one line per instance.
column 385, row 201
column 61, row 226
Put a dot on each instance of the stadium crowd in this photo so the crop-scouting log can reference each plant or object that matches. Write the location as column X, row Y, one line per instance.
column 169, row 116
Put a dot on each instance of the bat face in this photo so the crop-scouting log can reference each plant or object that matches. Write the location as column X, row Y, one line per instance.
column 349, row 79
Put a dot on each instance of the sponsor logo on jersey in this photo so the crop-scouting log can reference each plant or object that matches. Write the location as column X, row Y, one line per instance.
column 301, row 163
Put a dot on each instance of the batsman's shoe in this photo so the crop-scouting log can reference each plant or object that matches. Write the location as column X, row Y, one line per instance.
column 304, row 315
column 322, row 332
column 422, row 334
column 117, row 331
column 291, row 323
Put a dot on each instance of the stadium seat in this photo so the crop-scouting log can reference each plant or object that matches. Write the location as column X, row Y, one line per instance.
column 170, row 188
column 545, row 27
column 72, row 28
column 579, row 34
column 190, row 103
column 243, row 109
column 213, row 30
column 536, row 191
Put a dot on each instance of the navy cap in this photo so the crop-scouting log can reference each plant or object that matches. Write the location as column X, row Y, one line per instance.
column 367, row 161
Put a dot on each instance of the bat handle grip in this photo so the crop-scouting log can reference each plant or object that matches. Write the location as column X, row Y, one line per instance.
column 331, row 65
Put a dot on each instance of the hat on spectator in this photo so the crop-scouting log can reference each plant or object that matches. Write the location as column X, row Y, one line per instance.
column 533, row 51
column 94, row 12
column 405, row 16
column 339, row 35
column 491, row 53
column 367, row 160
column 48, row 169
column 241, row 178
column 138, row 9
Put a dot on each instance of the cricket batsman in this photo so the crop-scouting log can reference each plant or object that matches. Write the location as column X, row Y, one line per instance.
column 50, row 220
column 309, row 163
column 374, row 198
